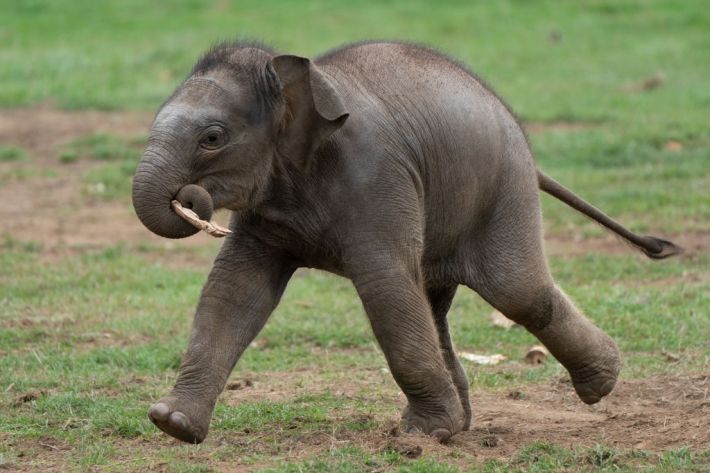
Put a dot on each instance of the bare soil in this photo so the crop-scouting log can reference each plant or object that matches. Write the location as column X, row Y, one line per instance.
column 653, row 414
column 57, row 212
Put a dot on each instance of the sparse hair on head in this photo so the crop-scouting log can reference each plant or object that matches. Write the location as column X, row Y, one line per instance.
column 249, row 59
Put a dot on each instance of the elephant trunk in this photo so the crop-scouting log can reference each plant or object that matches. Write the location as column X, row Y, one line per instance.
column 155, row 186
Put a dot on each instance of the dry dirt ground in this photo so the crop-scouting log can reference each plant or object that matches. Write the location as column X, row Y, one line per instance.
column 56, row 211
column 652, row 414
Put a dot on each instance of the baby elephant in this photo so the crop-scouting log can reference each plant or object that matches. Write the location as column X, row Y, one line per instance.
column 386, row 163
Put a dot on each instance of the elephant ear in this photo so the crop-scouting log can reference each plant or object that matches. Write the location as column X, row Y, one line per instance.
column 314, row 109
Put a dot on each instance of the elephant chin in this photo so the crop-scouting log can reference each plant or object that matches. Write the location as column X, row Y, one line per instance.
column 155, row 210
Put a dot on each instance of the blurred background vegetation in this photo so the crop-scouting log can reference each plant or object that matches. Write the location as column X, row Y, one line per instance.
column 571, row 61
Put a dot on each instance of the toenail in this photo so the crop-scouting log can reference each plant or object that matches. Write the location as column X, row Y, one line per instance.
column 607, row 387
column 178, row 420
column 442, row 435
column 159, row 411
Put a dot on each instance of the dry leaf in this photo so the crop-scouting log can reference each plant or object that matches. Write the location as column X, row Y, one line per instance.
column 673, row 146
column 650, row 83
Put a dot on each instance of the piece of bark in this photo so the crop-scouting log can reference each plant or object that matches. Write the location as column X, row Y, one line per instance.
column 27, row 397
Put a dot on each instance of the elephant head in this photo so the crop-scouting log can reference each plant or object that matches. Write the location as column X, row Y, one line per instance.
column 216, row 141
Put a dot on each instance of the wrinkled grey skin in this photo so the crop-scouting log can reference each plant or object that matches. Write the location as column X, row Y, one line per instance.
column 385, row 163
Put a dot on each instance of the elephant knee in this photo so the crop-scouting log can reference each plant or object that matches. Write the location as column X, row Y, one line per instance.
column 536, row 312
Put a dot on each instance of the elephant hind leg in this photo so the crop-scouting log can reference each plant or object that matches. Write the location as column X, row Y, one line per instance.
column 510, row 272
column 401, row 319
column 440, row 299
column 590, row 356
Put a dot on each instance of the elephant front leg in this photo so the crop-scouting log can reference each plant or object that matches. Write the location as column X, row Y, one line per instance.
column 403, row 324
column 242, row 290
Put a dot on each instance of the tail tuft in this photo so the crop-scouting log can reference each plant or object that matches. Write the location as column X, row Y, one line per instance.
column 656, row 248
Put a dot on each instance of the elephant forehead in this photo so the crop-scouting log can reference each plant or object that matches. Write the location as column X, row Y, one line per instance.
column 202, row 101
column 201, row 89
column 179, row 114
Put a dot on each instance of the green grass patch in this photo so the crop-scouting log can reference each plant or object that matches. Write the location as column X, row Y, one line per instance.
column 111, row 181
column 103, row 147
column 546, row 457
column 632, row 178
column 554, row 62
column 352, row 460
column 9, row 154
column 26, row 173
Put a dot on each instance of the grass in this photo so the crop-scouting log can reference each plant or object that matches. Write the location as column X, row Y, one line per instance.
column 578, row 63
column 544, row 457
column 17, row 165
column 111, row 181
column 116, row 327
column 9, row 154
column 630, row 176
column 103, row 147
column 96, row 337
column 118, row 155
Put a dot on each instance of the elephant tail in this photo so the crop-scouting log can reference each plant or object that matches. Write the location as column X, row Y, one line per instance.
column 654, row 248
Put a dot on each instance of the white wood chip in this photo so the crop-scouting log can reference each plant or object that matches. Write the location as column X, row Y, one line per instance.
column 483, row 359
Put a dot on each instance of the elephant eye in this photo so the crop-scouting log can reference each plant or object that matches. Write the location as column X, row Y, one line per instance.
column 213, row 138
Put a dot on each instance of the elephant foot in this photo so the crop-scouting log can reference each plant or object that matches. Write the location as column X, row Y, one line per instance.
column 596, row 379
column 441, row 427
column 178, row 418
